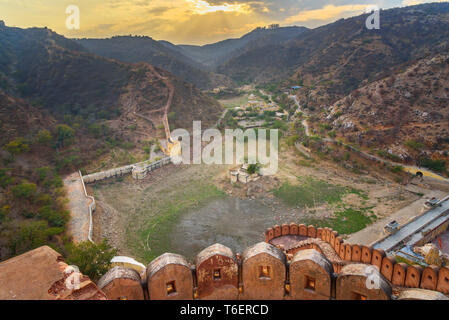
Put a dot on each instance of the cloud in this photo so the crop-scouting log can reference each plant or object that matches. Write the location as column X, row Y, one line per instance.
column 159, row 10
column 415, row 2
column 204, row 7
column 183, row 21
column 327, row 13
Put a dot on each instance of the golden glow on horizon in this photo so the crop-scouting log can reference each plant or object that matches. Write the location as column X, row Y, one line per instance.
column 179, row 21
column 203, row 7
column 328, row 12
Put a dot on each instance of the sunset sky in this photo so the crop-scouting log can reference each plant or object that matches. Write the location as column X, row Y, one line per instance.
column 182, row 21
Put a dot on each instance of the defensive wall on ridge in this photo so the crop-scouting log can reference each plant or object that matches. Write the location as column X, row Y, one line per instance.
column 139, row 171
column 296, row 262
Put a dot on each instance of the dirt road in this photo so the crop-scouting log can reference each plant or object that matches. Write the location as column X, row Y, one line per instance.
column 375, row 231
column 78, row 226
column 411, row 169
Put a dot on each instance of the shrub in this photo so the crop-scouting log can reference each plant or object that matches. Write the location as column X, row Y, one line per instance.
column 25, row 190
column 43, row 173
column 92, row 259
column 171, row 116
column 65, row 135
column 99, row 130
column 5, row 179
column 44, row 199
column 4, row 211
column 44, row 137
column 30, row 235
column 397, row 169
column 17, row 146
column 292, row 140
column 54, row 218
column 414, row 145
column 253, row 168
column 435, row 165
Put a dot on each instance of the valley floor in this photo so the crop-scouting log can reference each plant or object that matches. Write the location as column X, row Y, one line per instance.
column 184, row 209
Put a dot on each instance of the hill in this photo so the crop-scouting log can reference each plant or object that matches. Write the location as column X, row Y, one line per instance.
column 335, row 59
column 216, row 54
column 61, row 77
column 63, row 108
column 405, row 115
column 144, row 49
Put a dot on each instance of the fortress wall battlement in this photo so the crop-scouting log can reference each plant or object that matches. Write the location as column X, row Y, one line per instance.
column 320, row 266
column 398, row 274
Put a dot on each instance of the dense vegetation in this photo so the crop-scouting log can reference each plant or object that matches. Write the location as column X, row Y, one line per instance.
column 93, row 259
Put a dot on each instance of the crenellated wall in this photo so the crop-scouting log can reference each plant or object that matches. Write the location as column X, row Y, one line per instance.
column 398, row 274
column 296, row 262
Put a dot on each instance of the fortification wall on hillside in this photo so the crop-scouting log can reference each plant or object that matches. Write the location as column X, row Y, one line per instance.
column 139, row 171
column 319, row 265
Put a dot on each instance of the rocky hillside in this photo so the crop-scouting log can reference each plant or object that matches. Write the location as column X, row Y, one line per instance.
column 75, row 86
column 216, row 54
column 335, row 59
column 63, row 108
column 144, row 49
column 405, row 114
column 17, row 117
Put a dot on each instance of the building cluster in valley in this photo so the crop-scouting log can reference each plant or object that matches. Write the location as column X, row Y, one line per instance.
column 248, row 115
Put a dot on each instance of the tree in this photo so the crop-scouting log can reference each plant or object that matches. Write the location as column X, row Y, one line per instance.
column 5, row 178
column 29, row 235
column 253, row 168
column 25, row 190
column 92, row 259
column 44, row 137
column 65, row 135
column 171, row 116
column 17, row 146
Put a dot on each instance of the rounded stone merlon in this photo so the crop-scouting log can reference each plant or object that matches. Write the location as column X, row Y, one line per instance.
column 121, row 283
column 315, row 256
column 263, row 247
column 364, row 282
column 118, row 272
column 164, row 260
column 216, row 249
column 170, row 277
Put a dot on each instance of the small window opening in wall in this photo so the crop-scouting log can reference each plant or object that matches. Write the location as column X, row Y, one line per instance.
column 171, row 288
column 310, row 283
column 358, row 296
column 264, row 272
column 217, row 274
